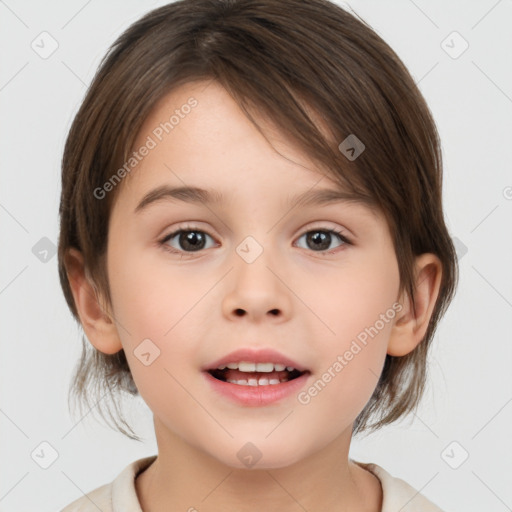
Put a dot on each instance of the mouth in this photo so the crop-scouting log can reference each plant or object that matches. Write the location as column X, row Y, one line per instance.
column 251, row 377
column 247, row 373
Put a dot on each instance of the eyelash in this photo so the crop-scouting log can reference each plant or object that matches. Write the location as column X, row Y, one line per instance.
column 170, row 236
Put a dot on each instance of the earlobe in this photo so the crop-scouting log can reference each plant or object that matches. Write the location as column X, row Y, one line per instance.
column 95, row 319
column 411, row 326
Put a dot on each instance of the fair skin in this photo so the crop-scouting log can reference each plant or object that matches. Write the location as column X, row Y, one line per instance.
column 198, row 306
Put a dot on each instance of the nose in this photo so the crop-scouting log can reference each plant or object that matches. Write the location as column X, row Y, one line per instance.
column 256, row 291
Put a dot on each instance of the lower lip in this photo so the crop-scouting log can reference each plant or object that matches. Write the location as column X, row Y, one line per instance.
column 257, row 396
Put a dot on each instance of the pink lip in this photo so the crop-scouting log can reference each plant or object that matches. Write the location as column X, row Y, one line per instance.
column 257, row 396
column 254, row 356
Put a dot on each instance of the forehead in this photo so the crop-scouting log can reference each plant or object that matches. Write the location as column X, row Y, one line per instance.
column 215, row 124
column 213, row 145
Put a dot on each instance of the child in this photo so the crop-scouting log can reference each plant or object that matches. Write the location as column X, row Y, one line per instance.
column 252, row 238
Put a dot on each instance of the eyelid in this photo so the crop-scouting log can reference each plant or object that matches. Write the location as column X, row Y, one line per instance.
column 323, row 225
column 303, row 230
column 328, row 226
column 187, row 227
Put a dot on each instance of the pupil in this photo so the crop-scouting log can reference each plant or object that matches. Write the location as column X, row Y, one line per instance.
column 321, row 239
column 192, row 240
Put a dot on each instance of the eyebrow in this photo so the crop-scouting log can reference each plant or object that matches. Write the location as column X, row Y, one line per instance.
column 188, row 194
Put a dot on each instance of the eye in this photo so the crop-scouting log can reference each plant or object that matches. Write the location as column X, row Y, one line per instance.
column 321, row 239
column 186, row 240
column 189, row 240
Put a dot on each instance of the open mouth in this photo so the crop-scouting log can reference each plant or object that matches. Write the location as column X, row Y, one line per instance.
column 255, row 374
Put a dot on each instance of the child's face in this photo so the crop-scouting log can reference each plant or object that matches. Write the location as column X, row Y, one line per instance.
column 294, row 298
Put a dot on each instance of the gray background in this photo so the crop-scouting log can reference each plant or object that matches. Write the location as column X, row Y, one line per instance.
column 468, row 400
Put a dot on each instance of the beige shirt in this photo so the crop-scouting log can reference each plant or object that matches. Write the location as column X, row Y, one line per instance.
column 121, row 496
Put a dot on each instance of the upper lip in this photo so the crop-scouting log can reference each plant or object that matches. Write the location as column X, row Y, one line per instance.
column 253, row 355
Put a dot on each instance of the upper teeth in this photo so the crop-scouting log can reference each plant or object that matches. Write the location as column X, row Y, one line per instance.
column 245, row 366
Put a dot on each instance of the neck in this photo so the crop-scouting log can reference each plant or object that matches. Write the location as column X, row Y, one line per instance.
column 185, row 478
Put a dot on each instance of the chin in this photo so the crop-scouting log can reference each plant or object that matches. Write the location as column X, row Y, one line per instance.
column 251, row 456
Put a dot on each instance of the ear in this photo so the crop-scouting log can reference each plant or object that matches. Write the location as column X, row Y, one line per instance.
column 410, row 327
column 95, row 319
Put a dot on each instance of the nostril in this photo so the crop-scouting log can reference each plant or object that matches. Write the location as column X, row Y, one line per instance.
column 239, row 312
column 274, row 312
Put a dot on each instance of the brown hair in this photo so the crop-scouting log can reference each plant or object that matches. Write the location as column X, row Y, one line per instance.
column 287, row 60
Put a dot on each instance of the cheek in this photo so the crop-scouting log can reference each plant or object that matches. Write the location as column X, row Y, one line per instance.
column 352, row 299
column 358, row 309
column 156, row 315
column 345, row 381
column 152, row 297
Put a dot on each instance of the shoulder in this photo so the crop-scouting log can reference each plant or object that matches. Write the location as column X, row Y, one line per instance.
column 117, row 496
column 398, row 494
column 99, row 499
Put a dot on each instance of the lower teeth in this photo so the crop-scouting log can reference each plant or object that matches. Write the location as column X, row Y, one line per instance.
column 256, row 382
